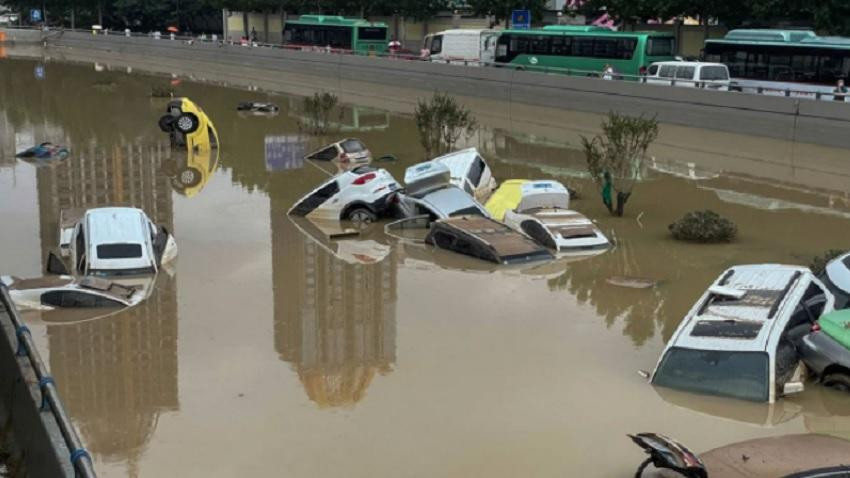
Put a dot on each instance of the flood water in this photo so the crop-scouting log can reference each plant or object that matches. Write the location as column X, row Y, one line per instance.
column 272, row 352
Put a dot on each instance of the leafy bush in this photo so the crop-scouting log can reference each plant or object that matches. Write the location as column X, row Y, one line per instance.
column 615, row 156
column 703, row 226
column 317, row 109
column 819, row 263
column 441, row 122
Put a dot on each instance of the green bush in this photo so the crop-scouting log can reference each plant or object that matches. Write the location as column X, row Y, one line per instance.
column 441, row 121
column 317, row 110
column 703, row 226
column 819, row 263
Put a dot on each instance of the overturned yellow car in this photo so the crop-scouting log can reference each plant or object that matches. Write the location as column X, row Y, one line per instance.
column 188, row 126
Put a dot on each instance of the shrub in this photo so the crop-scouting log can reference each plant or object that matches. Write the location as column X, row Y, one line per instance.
column 615, row 156
column 703, row 226
column 819, row 263
column 317, row 109
column 441, row 122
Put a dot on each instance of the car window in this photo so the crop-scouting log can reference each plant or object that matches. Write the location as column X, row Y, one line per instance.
column 814, row 300
column 81, row 250
column 70, row 298
column 443, row 240
column 653, row 69
column 685, row 72
column 119, row 251
column 741, row 375
column 667, row 71
column 469, row 211
column 352, row 146
column 476, row 171
column 327, row 154
column 437, row 44
column 713, row 73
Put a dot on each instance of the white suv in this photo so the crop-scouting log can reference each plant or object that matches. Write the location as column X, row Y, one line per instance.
column 739, row 340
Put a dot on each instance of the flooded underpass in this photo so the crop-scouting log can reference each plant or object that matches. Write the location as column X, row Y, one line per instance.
column 270, row 350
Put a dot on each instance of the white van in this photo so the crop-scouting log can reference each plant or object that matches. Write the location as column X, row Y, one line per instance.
column 461, row 46
column 692, row 74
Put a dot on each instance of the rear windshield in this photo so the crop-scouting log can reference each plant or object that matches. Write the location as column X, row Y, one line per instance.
column 352, row 146
column 372, row 33
column 119, row 251
column 742, row 375
column 660, row 46
column 713, row 73
column 469, row 211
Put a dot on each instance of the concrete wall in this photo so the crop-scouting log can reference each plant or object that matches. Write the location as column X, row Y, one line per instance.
column 816, row 122
column 34, row 431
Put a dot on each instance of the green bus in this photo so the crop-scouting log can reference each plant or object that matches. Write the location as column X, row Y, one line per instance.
column 339, row 33
column 775, row 59
column 584, row 50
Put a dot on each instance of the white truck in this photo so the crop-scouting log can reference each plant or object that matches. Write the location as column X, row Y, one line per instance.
column 470, row 47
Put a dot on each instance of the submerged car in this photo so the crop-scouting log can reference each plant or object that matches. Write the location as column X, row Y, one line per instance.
column 44, row 153
column 112, row 241
column 429, row 191
column 188, row 125
column 788, row 456
column 66, row 291
column 540, row 209
column 739, row 340
column 347, row 151
column 826, row 350
column 486, row 239
column 469, row 172
column 258, row 108
column 361, row 195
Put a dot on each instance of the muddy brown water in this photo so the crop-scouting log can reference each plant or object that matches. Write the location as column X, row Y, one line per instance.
column 271, row 352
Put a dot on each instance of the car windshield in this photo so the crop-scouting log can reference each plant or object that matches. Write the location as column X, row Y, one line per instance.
column 352, row 146
column 741, row 375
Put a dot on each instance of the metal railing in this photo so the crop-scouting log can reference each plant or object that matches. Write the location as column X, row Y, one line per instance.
column 50, row 401
column 406, row 56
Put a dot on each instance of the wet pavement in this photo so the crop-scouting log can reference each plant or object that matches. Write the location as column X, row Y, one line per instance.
column 272, row 352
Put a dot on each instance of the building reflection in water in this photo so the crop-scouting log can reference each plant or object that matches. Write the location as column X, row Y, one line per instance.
column 334, row 320
column 118, row 373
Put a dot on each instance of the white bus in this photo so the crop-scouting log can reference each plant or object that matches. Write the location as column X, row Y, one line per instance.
column 475, row 46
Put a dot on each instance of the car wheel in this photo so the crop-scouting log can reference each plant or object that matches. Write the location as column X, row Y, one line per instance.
column 189, row 177
column 361, row 216
column 187, row 123
column 166, row 123
column 837, row 381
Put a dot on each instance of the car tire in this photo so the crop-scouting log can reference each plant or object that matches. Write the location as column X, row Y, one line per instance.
column 189, row 177
column 186, row 123
column 166, row 123
column 837, row 381
column 361, row 216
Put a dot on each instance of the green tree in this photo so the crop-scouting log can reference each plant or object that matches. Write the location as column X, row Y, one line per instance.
column 441, row 121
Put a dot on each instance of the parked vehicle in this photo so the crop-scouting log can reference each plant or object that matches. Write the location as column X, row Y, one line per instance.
column 112, row 241
column 469, row 172
column 739, row 340
column 486, row 239
column 257, row 107
column 690, row 74
column 188, row 125
column 540, row 210
column 44, row 153
column 836, row 277
column 789, row 456
column 463, row 46
column 46, row 293
column 326, row 32
column 348, row 151
column 361, row 195
column 826, row 350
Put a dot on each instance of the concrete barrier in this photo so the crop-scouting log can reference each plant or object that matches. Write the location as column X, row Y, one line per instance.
column 35, row 431
column 798, row 120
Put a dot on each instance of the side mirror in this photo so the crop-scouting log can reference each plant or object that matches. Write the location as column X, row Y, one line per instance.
column 55, row 264
column 792, row 387
column 644, row 374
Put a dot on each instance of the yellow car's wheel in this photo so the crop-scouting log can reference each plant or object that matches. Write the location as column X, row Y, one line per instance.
column 187, row 123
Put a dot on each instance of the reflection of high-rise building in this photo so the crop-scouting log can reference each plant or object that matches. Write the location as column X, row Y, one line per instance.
column 334, row 321
column 118, row 373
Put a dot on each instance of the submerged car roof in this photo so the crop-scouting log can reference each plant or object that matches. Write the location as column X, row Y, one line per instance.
column 450, row 199
column 743, row 307
column 116, row 225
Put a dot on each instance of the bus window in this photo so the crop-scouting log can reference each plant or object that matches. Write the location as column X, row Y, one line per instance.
column 560, row 46
column 540, row 45
column 660, row 46
column 605, row 48
column 583, row 46
column 372, row 33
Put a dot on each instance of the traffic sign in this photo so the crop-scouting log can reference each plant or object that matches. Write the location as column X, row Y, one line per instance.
column 35, row 15
column 521, row 19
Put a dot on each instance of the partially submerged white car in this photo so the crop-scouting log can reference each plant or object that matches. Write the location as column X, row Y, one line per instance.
column 540, row 210
column 430, row 191
column 46, row 293
column 112, row 241
column 469, row 172
column 360, row 195
column 739, row 340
